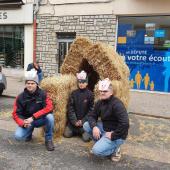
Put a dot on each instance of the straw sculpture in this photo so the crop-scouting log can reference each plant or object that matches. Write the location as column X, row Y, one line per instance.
column 99, row 61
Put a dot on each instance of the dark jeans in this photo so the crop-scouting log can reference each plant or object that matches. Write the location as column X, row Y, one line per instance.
column 71, row 130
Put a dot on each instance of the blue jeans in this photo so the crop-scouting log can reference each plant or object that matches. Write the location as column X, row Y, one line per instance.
column 23, row 134
column 104, row 146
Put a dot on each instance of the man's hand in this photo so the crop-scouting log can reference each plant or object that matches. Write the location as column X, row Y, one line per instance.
column 78, row 123
column 108, row 135
column 27, row 122
column 96, row 133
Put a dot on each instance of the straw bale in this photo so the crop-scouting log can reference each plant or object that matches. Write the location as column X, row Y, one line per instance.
column 107, row 62
column 59, row 89
column 75, row 55
column 99, row 61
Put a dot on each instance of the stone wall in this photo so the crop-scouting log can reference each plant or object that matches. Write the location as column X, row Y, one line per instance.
column 96, row 27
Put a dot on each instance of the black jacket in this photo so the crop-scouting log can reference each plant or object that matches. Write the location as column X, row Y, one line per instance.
column 80, row 104
column 113, row 116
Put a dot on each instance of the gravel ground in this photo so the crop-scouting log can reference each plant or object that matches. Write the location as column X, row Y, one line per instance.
column 67, row 156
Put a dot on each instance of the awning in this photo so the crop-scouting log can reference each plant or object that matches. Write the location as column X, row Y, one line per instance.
column 5, row 4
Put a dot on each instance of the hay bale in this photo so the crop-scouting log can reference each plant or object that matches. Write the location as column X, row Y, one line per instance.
column 59, row 89
column 73, row 59
column 99, row 61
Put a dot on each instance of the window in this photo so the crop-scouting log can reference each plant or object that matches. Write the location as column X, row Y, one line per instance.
column 64, row 42
column 12, row 46
column 145, row 44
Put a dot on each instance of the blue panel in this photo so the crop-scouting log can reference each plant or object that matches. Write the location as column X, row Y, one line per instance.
column 149, row 68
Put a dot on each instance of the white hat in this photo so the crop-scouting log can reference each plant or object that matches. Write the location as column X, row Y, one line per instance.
column 104, row 84
column 82, row 75
column 31, row 75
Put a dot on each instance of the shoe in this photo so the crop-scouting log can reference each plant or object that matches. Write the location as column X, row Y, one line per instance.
column 116, row 156
column 86, row 137
column 49, row 145
column 28, row 139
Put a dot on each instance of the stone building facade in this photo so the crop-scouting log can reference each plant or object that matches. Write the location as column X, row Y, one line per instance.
column 96, row 27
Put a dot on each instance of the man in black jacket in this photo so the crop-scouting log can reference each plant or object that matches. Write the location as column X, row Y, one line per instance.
column 80, row 104
column 112, row 131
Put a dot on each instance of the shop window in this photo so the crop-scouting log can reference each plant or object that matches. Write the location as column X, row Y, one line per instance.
column 64, row 42
column 12, row 46
column 144, row 42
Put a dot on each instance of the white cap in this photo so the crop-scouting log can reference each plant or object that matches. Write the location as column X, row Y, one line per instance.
column 31, row 75
column 104, row 84
column 82, row 75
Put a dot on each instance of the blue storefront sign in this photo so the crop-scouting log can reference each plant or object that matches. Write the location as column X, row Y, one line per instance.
column 149, row 66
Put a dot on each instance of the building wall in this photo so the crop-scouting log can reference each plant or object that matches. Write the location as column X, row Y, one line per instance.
column 96, row 27
column 141, row 7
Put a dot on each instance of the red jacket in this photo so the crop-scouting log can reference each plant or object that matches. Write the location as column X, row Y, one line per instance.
column 27, row 105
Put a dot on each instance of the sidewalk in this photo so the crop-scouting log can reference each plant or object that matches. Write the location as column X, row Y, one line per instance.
column 15, row 81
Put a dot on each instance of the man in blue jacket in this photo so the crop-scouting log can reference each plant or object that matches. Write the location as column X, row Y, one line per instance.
column 112, row 130
column 36, row 67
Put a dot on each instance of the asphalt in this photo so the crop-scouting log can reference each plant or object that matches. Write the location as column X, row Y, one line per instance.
column 68, row 155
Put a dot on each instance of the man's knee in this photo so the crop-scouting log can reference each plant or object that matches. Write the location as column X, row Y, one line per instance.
column 50, row 118
column 19, row 136
column 68, row 133
column 87, row 127
column 97, row 151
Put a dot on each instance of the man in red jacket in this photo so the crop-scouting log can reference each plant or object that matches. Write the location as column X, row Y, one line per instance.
column 33, row 109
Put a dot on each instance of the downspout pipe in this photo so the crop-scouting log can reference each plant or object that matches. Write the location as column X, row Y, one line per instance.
column 36, row 9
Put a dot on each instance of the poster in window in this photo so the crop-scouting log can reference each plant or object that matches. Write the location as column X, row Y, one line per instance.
column 121, row 40
column 149, row 40
column 131, row 33
column 159, row 33
column 150, row 26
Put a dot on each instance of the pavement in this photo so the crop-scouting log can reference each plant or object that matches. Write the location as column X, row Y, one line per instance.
column 139, row 151
column 15, row 81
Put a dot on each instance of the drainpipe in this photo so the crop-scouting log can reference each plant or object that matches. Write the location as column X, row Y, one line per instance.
column 36, row 9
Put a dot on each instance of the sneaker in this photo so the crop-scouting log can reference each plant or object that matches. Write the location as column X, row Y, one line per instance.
column 28, row 139
column 49, row 145
column 86, row 137
column 116, row 156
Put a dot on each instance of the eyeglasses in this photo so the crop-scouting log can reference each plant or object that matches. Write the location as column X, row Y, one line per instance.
column 105, row 91
column 82, row 81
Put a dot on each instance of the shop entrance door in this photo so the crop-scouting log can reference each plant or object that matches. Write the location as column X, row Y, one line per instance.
column 12, row 46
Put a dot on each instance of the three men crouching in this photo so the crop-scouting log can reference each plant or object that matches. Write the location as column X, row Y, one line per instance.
column 33, row 109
